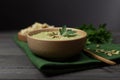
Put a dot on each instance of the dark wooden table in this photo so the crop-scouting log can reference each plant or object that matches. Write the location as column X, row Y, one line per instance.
column 14, row 64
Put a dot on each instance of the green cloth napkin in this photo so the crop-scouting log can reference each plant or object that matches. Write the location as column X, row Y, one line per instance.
column 81, row 62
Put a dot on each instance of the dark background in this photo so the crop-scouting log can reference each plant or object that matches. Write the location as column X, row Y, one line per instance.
column 17, row 14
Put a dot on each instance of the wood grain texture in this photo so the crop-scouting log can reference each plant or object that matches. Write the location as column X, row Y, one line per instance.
column 15, row 65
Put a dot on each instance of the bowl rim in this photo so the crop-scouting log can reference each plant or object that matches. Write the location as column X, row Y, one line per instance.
column 55, row 28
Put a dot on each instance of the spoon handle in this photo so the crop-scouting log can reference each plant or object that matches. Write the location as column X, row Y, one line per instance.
column 100, row 58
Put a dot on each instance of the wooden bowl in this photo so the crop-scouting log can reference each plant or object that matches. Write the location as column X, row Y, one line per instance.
column 56, row 49
column 22, row 37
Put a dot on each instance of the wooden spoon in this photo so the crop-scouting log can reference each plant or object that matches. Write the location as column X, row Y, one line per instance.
column 100, row 58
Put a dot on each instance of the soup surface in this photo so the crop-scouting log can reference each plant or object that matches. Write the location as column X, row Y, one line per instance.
column 55, row 35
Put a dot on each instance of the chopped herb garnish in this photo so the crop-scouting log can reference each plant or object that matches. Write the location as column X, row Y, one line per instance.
column 67, row 32
column 63, row 30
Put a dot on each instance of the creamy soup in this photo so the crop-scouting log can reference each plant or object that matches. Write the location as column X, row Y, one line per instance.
column 54, row 35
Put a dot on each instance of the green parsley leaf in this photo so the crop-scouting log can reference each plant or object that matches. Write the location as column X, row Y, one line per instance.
column 96, row 35
column 67, row 32
column 63, row 30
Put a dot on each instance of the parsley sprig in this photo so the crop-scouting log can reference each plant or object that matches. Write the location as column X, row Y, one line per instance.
column 67, row 32
column 98, row 35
